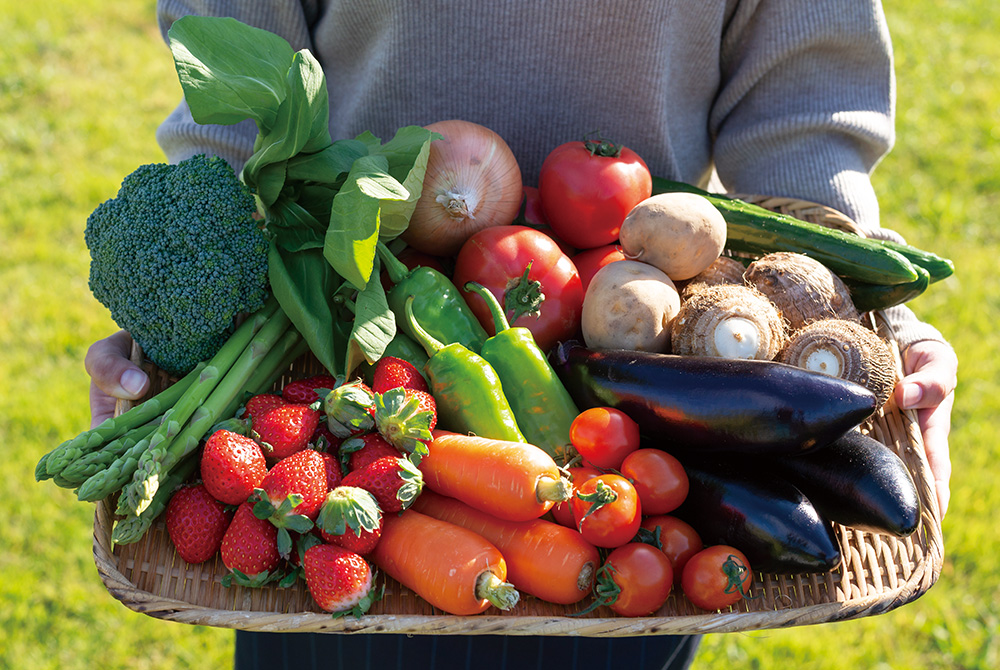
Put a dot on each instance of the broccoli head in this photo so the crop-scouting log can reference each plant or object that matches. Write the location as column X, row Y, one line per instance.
column 176, row 255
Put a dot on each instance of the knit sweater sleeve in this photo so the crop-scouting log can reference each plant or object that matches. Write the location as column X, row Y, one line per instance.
column 179, row 135
column 806, row 110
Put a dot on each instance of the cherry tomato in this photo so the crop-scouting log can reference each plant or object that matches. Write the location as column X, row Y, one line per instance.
column 716, row 577
column 607, row 510
column 562, row 512
column 588, row 187
column 604, row 436
column 659, row 478
column 635, row 580
column 589, row 261
column 496, row 257
column 679, row 541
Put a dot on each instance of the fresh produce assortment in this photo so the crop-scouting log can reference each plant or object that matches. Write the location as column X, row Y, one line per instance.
column 601, row 392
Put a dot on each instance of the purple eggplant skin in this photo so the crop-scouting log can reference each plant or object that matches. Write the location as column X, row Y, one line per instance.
column 857, row 481
column 701, row 404
column 764, row 516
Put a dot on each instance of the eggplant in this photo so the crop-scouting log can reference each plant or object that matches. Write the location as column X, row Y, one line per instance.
column 764, row 516
column 703, row 404
column 857, row 481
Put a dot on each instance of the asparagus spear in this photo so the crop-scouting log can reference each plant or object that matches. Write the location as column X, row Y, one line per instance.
column 87, row 465
column 164, row 454
column 113, row 428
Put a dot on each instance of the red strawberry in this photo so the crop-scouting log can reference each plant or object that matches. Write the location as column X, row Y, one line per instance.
column 250, row 549
column 324, row 440
column 357, row 452
column 405, row 418
column 291, row 494
column 303, row 391
column 394, row 481
column 196, row 523
column 331, row 465
column 286, row 429
column 261, row 404
column 350, row 517
column 232, row 466
column 338, row 580
column 391, row 372
column 349, row 409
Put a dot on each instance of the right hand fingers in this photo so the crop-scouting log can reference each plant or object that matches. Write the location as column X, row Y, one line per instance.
column 112, row 375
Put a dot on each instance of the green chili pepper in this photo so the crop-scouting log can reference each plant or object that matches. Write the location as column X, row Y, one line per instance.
column 442, row 311
column 542, row 406
column 465, row 386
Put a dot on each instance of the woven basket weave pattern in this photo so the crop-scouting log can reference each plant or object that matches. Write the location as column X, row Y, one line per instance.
column 878, row 573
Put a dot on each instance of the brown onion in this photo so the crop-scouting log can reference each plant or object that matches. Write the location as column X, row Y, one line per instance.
column 473, row 182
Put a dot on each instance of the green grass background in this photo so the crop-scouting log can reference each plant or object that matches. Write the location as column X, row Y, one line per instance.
column 82, row 88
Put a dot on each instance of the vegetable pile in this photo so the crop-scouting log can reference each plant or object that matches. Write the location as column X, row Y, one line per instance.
column 595, row 393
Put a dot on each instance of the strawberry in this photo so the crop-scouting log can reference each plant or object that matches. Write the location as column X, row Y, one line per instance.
column 391, row 372
column 261, row 404
column 357, row 452
column 250, row 549
column 232, row 466
column 405, row 418
column 324, row 440
column 349, row 409
column 196, row 523
column 291, row 494
column 339, row 580
column 331, row 465
column 286, row 429
column 394, row 481
column 350, row 517
column 303, row 391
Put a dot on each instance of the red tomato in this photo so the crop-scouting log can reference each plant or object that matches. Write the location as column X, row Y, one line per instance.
column 589, row 261
column 587, row 189
column 562, row 512
column 496, row 257
column 532, row 213
column 607, row 510
column 716, row 577
column 659, row 478
column 635, row 580
column 678, row 540
column 604, row 436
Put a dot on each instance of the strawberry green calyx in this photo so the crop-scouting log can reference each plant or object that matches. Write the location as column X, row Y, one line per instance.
column 348, row 408
column 402, row 421
column 283, row 517
column 413, row 482
column 349, row 508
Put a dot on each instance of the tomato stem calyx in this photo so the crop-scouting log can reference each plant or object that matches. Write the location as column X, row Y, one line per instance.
column 601, row 146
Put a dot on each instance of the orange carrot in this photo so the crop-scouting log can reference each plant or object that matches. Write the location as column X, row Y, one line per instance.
column 450, row 567
column 510, row 480
column 544, row 559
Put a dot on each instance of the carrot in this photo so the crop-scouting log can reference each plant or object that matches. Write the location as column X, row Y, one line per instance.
column 510, row 480
column 450, row 567
column 544, row 559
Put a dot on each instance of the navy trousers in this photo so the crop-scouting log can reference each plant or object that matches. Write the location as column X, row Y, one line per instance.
column 302, row 651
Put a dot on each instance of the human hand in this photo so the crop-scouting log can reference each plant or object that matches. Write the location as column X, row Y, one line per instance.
column 112, row 375
column 928, row 386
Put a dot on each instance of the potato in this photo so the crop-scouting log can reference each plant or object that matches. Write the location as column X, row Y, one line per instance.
column 629, row 305
column 679, row 233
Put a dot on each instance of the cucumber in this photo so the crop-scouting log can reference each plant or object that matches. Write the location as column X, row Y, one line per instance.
column 937, row 268
column 754, row 230
column 870, row 297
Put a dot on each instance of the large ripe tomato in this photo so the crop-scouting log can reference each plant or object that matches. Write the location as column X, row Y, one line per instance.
column 717, row 577
column 659, row 478
column 589, row 261
column 604, row 436
column 678, row 540
column 496, row 257
column 635, row 580
column 607, row 510
column 588, row 187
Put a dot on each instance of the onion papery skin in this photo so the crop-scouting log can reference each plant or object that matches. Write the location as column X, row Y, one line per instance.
column 473, row 182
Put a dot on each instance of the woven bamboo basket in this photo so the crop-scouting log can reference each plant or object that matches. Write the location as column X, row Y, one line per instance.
column 878, row 573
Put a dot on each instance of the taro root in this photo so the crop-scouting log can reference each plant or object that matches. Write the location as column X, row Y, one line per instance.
column 844, row 349
column 804, row 289
column 723, row 270
column 728, row 321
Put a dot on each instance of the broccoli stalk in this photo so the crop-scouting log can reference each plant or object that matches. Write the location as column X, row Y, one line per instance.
column 268, row 350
